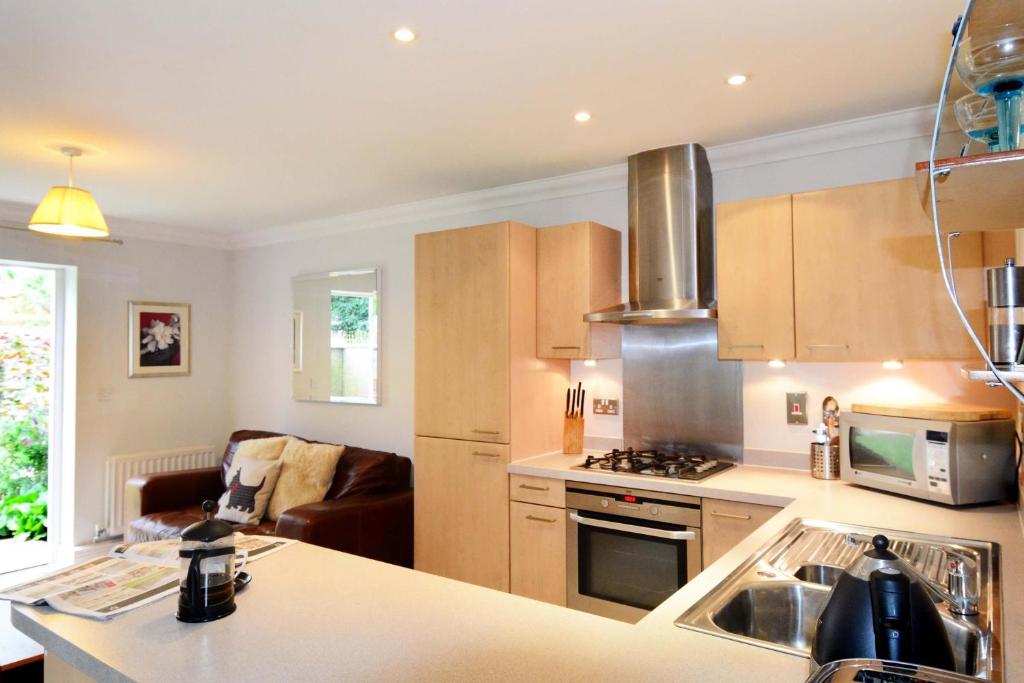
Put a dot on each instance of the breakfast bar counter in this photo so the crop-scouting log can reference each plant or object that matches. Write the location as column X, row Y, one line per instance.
column 313, row 614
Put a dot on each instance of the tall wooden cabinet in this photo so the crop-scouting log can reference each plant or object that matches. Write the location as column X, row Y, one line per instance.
column 579, row 270
column 482, row 398
column 845, row 274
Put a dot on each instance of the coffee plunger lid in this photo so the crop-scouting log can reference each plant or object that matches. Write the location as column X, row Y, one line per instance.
column 209, row 529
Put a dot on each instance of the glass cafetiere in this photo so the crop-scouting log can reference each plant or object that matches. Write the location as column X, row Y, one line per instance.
column 208, row 571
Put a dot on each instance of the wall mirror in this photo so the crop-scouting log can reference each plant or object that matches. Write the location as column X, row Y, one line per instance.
column 336, row 337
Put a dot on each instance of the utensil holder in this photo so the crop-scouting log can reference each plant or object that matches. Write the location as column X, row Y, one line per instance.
column 824, row 461
column 572, row 435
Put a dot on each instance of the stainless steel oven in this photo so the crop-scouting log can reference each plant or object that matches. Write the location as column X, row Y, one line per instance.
column 627, row 549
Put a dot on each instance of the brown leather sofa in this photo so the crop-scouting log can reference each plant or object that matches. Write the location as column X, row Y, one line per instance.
column 367, row 511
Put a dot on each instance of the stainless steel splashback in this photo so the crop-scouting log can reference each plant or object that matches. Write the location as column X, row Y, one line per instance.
column 677, row 394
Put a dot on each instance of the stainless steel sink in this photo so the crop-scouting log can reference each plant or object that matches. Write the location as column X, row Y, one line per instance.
column 782, row 612
column 774, row 598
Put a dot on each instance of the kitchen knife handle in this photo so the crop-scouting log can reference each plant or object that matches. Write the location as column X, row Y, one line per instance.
column 485, row 431
column 534, row 488
column 486, row 455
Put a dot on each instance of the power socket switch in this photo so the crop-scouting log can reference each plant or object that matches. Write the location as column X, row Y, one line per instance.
column 796, row 408
column 606, row 406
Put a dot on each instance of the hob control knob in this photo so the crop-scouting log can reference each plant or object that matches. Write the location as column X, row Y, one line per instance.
column 604, row 502
column 655, row 509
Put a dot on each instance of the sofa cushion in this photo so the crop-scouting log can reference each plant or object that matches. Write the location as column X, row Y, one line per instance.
column 249, row 489
column 360, row 471
column 234, row 441
column 307, row 471
column 170, row 524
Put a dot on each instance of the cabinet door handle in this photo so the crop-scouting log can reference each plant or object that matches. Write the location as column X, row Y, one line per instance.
column 487, row 455
column 746, row 346
column 534, row 488
column 728, row 515
column 485, row 431
column 828, row 346
column 564, row 348
column 541, row 519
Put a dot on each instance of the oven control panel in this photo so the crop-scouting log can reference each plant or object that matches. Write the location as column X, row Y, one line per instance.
column 668, row 508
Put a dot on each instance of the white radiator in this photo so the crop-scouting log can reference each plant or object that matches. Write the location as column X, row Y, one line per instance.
column 121, row 468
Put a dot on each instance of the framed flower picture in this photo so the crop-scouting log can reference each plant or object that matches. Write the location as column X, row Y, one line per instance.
column 159, row 339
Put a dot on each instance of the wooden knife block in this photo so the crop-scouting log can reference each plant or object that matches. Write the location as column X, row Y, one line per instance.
column 572, row 435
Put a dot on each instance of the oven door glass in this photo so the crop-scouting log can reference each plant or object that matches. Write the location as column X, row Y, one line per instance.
column 629, row 568
column 889, row 454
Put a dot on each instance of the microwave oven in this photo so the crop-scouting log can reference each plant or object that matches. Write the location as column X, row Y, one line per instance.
column 951, row 462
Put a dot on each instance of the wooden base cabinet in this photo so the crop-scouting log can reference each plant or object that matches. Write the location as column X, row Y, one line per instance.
column 538, row 552
column 724, row 523
column 461, row 511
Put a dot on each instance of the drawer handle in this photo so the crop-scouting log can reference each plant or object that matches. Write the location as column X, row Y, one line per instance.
column 746, row 346
column 728, row 515
column 534, row 488
column 564, row 348
column 828, row 346
column 541, row 519
column 487, row 455
column 485, row 431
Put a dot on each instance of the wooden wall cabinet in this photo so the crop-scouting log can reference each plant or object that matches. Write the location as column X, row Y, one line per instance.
column 755, row 279
column 579, row 269
column 845, row 274
column 477, row 375
column 724, row 523
column 538, row 552
column 867, row 282
column 482, row 397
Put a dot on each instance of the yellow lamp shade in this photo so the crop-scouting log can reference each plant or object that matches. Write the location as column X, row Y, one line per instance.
column 69, row 211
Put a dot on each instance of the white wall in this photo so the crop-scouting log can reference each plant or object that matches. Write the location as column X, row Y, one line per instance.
column 795, row 162
column 116, row 414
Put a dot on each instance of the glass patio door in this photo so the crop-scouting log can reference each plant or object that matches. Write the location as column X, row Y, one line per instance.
column 28, row 365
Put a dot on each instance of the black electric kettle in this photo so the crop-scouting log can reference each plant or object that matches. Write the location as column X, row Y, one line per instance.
column 880, row 609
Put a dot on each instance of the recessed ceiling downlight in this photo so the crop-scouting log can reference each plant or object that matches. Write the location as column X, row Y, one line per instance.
column 736, row 79
column 581, row 116
column 404, row 34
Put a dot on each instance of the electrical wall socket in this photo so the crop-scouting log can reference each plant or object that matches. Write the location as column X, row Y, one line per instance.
column 796, row 408
column 99, row 532
column 606, row 406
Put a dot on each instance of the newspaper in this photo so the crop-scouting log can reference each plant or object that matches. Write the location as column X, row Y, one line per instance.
column 130, row 576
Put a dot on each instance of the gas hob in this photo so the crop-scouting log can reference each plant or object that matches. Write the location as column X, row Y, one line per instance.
column 655, row 463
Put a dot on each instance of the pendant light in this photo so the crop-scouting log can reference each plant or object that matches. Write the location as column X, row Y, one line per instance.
column 67, row 210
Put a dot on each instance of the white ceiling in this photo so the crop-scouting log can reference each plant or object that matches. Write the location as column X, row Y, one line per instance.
column 233, row 115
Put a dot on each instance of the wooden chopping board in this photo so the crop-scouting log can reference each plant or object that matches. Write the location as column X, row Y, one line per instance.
column 943, row 412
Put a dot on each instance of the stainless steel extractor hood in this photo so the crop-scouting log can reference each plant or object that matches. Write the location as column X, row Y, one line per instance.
column 671, row 239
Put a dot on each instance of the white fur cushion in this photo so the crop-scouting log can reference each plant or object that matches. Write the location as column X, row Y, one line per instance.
column 249, row 490
column 307, row 470
column 268, row 448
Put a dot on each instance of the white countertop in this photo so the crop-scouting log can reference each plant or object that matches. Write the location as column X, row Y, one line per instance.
column 312, row 614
